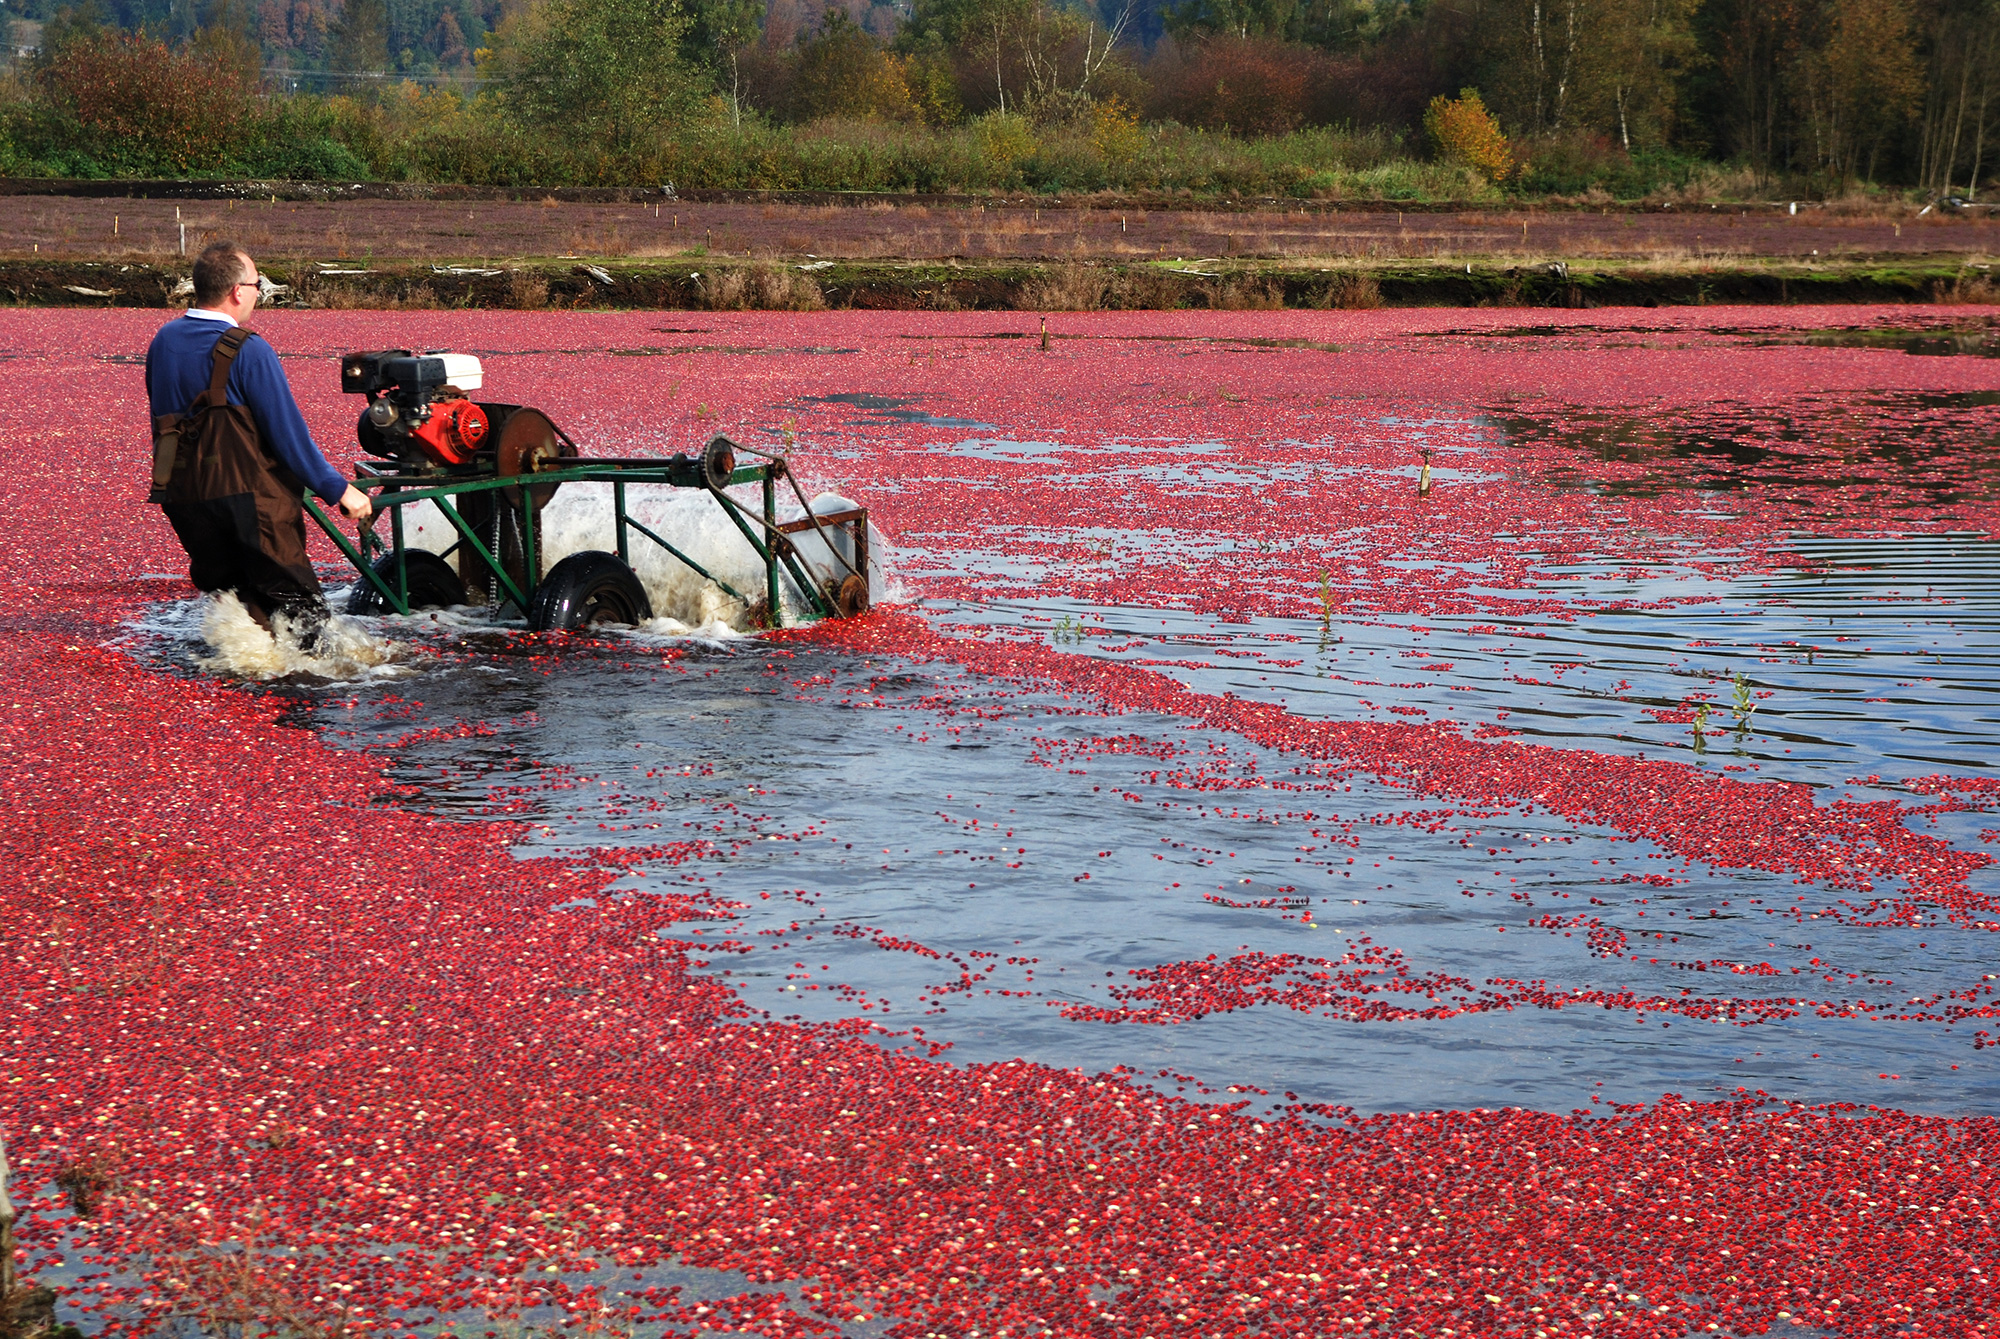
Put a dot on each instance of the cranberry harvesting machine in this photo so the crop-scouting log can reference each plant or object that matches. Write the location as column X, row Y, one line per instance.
column 491, row 468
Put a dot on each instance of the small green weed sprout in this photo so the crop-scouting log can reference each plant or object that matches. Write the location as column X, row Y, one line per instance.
column 1743, row 707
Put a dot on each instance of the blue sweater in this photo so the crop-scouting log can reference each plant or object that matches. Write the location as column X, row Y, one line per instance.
column 177, row 370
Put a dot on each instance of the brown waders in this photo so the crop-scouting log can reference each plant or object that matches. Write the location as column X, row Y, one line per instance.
column 235, row 509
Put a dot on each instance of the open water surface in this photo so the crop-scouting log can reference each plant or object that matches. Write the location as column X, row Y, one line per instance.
column 861, row 797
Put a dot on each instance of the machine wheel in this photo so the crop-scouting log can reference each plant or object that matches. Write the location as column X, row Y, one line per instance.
column 850, row 598
column 433, row 584
column 587, row 589
column 718, row 462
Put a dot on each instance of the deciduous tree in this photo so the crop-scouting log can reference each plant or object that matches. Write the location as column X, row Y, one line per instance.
column 719, row 32
column 1860, row 83
column 129, row 102
column 1753, row 47
column 1331, row 24
column 1962, row 96
column 1606, row 66
column 1463, row 131
column 1647, row 46
column 842, row 71
column 608, row 70
column 1251, row 85
column 1017, row 55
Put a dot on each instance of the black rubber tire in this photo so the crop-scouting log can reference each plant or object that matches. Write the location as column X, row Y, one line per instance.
column 588, row 589
column 433, row 584
column 718, row 462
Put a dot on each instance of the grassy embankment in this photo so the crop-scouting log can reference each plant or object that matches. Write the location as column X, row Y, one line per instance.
column 709, row 284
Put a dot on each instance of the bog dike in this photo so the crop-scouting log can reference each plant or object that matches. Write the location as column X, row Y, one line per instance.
column 708, row 284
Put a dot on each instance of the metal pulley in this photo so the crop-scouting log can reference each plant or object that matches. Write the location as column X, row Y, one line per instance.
column 528, row 444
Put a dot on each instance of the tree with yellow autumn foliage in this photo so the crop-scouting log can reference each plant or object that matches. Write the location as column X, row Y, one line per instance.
column 1463, row 131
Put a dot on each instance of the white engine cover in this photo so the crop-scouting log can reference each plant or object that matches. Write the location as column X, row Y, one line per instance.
column 462, row 370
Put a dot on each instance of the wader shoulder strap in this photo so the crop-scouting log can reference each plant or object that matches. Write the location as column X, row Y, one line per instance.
column 189, row 450
column 226, row 349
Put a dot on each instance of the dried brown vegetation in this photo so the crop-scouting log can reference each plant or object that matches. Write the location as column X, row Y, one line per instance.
column 761, row 288
column 335, row 295
column 1076, row 288
column 1353, row 292
column 527, row 291
column 1249, row 293
column 1971, row 287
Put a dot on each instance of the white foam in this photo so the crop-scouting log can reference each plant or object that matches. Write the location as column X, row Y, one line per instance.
column 715, row 630
column 238, row 646
column 220, row 636
column 579, row 518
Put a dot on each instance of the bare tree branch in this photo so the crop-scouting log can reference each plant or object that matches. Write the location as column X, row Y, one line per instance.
column 1094, row 58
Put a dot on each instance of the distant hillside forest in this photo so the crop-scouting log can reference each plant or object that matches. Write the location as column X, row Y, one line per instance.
column 1329, row 99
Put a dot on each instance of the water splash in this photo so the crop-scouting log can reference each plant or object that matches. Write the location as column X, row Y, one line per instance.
column 238, row 645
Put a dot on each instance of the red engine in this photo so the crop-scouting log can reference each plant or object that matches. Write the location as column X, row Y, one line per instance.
column 418, row 401
column 454, row 430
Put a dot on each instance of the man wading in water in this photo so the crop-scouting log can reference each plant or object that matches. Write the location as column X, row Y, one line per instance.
column 231, row 453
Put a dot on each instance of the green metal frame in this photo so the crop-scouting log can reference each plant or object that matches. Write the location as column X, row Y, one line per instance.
column 393, row 492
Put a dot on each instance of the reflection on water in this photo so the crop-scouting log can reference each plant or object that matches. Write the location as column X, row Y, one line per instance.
column 1869, row 651
column 1925, row 455
column 896, row 409
column 1977, row 340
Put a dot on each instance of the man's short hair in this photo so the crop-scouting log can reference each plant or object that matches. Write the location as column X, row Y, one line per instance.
column 219, row 268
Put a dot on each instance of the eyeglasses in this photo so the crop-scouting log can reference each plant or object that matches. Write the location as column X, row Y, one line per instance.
column 257, row 283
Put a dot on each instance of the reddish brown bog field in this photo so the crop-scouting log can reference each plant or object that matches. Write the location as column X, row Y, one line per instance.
column 125, row 228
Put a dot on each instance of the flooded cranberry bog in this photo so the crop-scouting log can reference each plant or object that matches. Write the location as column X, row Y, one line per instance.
column 1219, row 890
